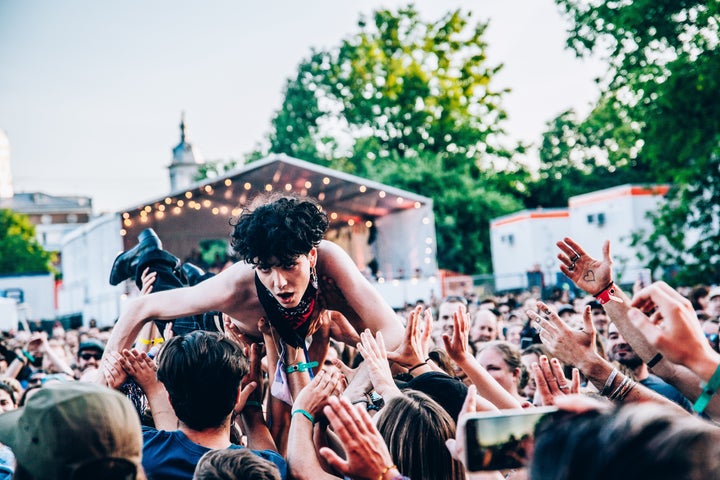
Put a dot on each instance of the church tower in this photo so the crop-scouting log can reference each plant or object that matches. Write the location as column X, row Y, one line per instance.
column 185, row 162
column 6, row 183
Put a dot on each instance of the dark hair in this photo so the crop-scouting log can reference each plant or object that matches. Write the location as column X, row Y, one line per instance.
column 415, row 428
column 232, row 463
column 278, row 229
column 202, row 372
column 635, row 441
column 10, row 391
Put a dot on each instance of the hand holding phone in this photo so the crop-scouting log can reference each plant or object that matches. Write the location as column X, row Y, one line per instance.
column 502, row 439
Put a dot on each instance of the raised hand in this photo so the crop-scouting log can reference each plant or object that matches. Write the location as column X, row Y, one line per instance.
column 672, row 327
column 457, row 345
column 571, row 346
column 551, row 382
column 112, row 371
column 314, row 396
column 374, row 355
column 367, row 455
column 139, row 366
column 413, row 349
column 148, row 279
column 586, row 272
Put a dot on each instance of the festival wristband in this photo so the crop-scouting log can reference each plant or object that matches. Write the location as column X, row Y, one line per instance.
column 305, row 414
column 607, row 294
column 708, row 390
column 301, row 367
column 654, row 360
column 28, row 355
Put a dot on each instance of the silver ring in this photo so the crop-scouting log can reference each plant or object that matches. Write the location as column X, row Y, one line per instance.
column 575, row 258
column 564, row 387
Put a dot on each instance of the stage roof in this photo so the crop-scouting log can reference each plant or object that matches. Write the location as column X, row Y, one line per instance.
column 203, row 210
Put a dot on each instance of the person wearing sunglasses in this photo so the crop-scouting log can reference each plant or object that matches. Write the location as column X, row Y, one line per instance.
column 89, row 354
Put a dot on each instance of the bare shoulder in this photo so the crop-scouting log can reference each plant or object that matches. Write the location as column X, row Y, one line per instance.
column 332, row 258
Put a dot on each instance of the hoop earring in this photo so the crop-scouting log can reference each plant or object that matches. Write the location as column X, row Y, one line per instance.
column 313, row 277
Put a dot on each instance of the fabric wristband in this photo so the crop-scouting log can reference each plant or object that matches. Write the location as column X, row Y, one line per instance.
column 708, row 390
column 301, row 367
column 655, row 360
column 607, row 294
column 253, row 403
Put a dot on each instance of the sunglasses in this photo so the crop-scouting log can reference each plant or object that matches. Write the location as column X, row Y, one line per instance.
column 89, row 355
column 455, row 299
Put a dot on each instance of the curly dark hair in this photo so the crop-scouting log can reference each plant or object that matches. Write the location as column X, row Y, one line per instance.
column 278, row 227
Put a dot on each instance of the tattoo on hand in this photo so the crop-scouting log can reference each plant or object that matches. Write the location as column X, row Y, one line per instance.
column 589, row 276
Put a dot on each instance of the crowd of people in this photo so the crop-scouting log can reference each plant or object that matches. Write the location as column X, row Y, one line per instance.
column 289, row 364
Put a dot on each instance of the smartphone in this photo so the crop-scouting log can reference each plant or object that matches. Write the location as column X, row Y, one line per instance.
column 502, row 440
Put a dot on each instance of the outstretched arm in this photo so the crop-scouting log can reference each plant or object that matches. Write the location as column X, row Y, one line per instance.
column 577, row 348
column 227, row 292
column 591, row 275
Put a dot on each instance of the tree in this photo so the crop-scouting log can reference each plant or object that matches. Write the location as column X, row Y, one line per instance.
column 19, row 250
column 659, row 116
column 411, row 103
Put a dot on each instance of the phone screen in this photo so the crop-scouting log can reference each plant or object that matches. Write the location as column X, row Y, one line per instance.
column 502, row 440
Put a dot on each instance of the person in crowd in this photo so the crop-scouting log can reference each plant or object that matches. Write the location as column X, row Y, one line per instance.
column 287, row 274
column 74, row 430
column 490, row 389
column 513, row 332
column 711, row 327
column 637, row 320
column 230, row 464
column 633, row 441
column 713, row 307
column 203, row 374
column 7, row 398
column 485, row 328
column 699, row 298
column 445, row 311
column 618, row 350
column 599, row 318
column 503, row 362
column 529, row 356
column 89, row 354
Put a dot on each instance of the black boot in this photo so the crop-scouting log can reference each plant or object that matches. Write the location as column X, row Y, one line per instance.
column 193, row 274
column 164, row 264
column 126, row 263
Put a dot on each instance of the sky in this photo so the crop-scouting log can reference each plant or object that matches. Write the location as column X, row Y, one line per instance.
column 91, row 93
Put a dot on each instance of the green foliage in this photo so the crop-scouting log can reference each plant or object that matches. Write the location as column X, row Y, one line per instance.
column 411, row 104
column 658, row 120
column 19, row 250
